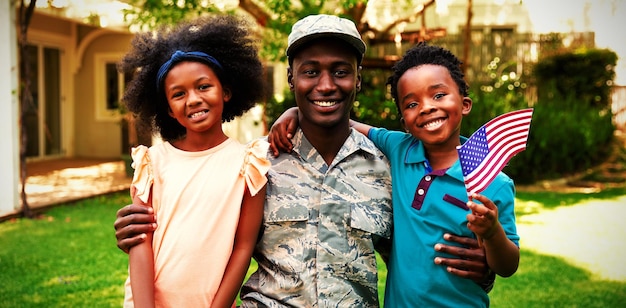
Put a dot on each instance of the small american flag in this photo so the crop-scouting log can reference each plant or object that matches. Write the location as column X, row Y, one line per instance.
column 491, row 147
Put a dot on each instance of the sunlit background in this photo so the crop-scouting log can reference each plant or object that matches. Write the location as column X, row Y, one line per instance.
column 606, row 18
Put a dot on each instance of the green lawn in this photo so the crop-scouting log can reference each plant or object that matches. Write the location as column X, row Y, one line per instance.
column 68, row 258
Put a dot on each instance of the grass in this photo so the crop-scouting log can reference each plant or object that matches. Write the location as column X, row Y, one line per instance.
column 68, row 258
column 546, row 281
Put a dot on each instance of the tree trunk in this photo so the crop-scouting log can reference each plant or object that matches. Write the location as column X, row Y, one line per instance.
column 26, row 97
column 468, row 38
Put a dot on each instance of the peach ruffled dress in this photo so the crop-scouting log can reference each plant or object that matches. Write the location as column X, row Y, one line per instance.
column 197, row 200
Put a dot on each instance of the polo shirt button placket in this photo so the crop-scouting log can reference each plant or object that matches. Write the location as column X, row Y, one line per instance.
column 422, row 187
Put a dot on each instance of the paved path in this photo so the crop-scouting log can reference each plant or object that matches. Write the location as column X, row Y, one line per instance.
column 60, row 181
column 591, row 235
column 73, row 183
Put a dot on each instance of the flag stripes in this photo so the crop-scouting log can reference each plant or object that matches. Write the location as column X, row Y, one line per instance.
column 490, row 148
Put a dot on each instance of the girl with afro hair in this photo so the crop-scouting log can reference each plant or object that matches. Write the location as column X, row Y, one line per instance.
column 206, row 189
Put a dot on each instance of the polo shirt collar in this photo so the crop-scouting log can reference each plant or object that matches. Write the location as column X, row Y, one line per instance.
column 416, row 154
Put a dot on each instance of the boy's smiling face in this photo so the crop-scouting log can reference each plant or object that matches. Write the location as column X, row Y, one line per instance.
column 431, row 105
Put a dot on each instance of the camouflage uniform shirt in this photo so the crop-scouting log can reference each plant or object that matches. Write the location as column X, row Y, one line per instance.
column 321, row 226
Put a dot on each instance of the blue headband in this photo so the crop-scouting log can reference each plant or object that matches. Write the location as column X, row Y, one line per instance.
column 179, row 56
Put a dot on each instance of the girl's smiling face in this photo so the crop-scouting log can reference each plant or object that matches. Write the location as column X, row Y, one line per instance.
column 431, row 105
column 195, row 97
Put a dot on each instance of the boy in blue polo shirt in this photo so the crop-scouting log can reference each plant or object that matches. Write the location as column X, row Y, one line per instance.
column 429, row 194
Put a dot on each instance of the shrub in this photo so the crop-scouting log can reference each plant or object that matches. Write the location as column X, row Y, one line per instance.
column 374, row 104
column 587, row 73
column 566, row 136
column 569, row 131
column 276, row 106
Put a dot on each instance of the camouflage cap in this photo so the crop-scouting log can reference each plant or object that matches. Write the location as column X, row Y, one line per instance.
column 316, row 26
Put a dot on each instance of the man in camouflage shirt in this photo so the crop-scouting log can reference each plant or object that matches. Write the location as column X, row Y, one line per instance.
column 328, row 202
column 321, row 226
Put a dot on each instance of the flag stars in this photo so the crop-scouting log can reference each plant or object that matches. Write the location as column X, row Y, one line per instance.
column 474, row 151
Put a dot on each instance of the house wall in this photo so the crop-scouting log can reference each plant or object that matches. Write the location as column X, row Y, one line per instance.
column 9, row 159
column 452, row 16
column 486, row 13
column 84, row 133
column 47, row 23
column 97, row 136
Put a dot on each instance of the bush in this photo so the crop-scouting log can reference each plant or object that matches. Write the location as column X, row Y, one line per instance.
column 275, row 107
column 569, row 132
column 566, row 136
column 588, row 74
column 374, row 104
column 505, row 92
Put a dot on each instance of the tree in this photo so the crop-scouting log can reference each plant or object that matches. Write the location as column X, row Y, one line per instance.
column 468, row 37
column 274, row 17
column 26, row 97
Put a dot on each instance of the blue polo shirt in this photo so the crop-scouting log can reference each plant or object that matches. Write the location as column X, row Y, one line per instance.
column 427, row 204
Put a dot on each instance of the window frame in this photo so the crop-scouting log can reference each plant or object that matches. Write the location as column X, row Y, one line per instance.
column 101, row 88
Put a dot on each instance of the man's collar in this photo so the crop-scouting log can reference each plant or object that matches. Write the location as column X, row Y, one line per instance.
column 355, row 142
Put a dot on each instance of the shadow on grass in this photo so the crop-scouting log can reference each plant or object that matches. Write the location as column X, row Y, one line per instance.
column 551, row 199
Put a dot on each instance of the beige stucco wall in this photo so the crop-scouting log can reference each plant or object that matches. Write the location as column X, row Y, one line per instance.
column 47, row 23
column 507, row 13
column 96, row 137
column 83, row 134
column 450, row 14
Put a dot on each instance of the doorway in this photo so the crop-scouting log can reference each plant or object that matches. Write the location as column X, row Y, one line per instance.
column 43, row 117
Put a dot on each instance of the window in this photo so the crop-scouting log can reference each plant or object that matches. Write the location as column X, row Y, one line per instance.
column 109, row 87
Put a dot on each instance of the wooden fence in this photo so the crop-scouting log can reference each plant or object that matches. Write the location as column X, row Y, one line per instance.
column 503, row 50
